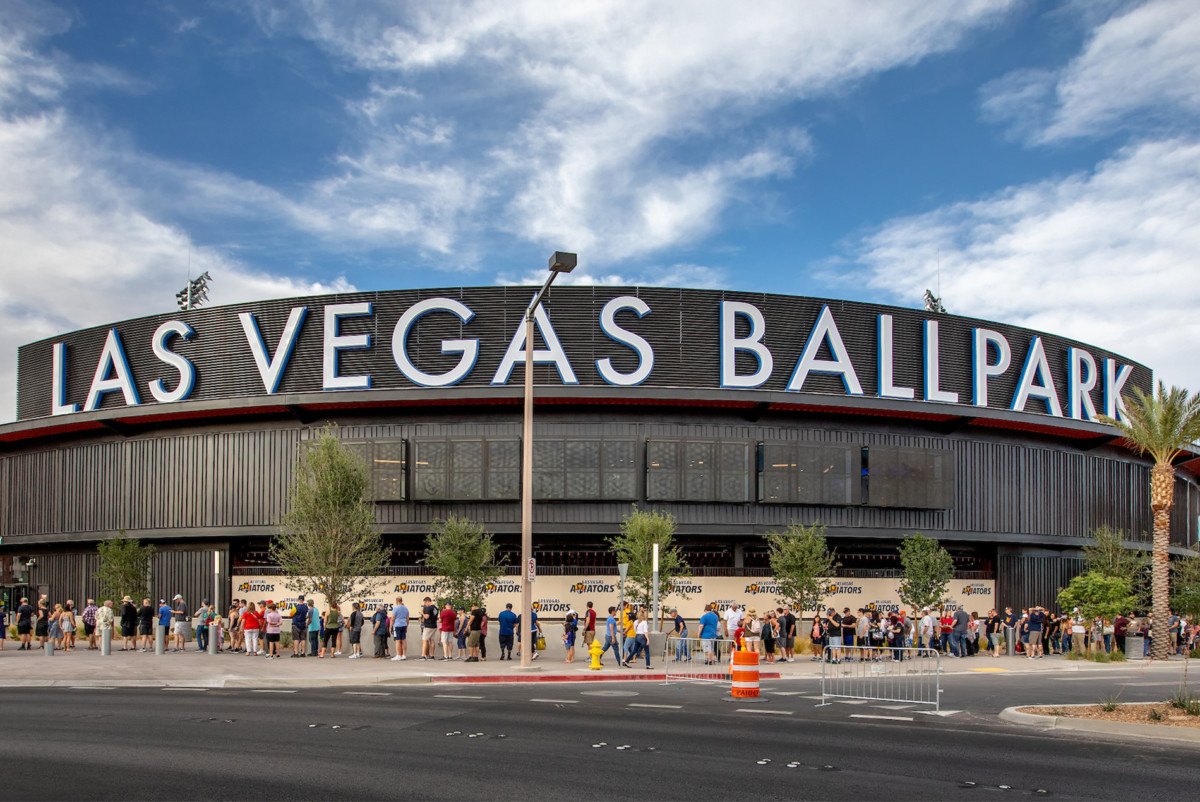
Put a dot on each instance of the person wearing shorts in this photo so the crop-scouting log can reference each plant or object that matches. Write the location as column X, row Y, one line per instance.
column 273, row 624
column 356, row 624
column 429, row 628
column 446, row 624
column 24, row 624
column 179, row 612
column 400, row 628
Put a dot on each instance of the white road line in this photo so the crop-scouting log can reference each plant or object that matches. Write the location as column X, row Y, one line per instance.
column 657, row 707
column 764, row 712
column 881, row 718
column 270, row 690
column 173, row 688
column 785, row 693
column 557, row 701
column 892, row 707
column 1147, row 684
column 1095, row 675
column 91, row 687
column 364, row 693
column 454, row 696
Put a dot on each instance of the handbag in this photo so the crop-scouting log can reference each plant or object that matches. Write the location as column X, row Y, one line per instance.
column 540, row 643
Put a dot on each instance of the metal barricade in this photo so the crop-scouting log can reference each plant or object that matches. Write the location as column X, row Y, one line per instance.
column 882, row 674
column 697, row 660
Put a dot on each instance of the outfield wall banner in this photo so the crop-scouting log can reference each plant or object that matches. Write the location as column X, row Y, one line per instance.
column 554, row 596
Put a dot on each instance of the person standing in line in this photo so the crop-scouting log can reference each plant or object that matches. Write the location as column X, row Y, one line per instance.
column 41, row 627
column 89, row 624
column 313, row 631
column 1120, row 630
column 474, row 633
column 379, row 631
column 1035, row 624
column 3, row 625
column 508, row 622
column 788, row 622
column 299, row 627
column 273, row 626
column 66, row 622
column 399, row 626
column 145, row 619
column 333, row 629
column 629, row 631
column 357, row 620
column 25, row 624
column 105, row 617
column 235, row 626
column 769, row 632
column 710, row 625
column 461, row 631
column 203, row 617
column 251, row 627
column 218, row 628
column 446, row 622
column 429, row 629
column 680, row 631
column 752, row 627
column 128, row 622
column 732, row 619
column 483, row 632
column 959, row 622
column 642, row 635
column 180, row 620
column 589, row 626
column 849, row 633
column 570, row 631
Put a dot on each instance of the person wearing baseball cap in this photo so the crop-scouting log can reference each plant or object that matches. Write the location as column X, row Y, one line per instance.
column 180, row 619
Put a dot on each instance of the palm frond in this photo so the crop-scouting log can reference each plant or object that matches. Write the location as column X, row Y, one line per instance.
column 1160, row 424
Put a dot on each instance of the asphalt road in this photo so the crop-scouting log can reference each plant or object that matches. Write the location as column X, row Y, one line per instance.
column 540, row 741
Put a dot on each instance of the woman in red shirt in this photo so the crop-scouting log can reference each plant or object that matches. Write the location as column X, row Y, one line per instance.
column 251, row 623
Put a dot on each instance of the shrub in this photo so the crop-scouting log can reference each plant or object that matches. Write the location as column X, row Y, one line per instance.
column 285, row 640
column 1154, row 715
column 1109, row 703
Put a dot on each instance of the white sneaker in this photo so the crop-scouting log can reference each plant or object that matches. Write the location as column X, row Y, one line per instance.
column 355, row 656
column 337, row 654
column 401, row 657
column 396, row 658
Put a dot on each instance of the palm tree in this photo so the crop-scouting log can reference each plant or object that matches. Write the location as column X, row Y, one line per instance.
column 1161, row 425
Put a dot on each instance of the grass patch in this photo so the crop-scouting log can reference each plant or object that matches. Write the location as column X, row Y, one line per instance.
column 1154, row 715
column 1110, row 703
column 1182, row 700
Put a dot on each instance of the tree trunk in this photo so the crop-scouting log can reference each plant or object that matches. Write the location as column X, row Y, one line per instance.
column 1162, row 496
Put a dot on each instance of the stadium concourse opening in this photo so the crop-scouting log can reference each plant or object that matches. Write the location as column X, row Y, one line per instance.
column 737, row 413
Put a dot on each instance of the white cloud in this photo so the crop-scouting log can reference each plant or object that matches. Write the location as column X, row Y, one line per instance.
column 673, row 275
column 79, row 246
column 1141, row 66
column 1110, row 257
column 592, row 99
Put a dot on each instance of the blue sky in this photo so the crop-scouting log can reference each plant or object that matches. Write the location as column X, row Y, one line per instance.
column 1044, row 156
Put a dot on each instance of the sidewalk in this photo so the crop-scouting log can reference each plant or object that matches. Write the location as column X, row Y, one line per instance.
column 195, row 669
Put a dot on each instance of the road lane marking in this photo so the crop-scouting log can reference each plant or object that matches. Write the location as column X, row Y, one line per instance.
column 785, row 693
column 892, row 707
column 881, row 718
column 1147, row 684
column 764, row 712
column 656, row 707
column 996, row 670
column 557, row 701
column 364, row 693
column 174, row 688
column 270, row 690
column 454, row 696
column 1094, row 675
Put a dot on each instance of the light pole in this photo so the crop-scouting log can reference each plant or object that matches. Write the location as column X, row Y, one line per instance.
column 654, row 581
column 560, row 262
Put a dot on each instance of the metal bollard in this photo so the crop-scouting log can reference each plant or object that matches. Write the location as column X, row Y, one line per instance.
column 49, row 647
column 160, row 639
column 1010, row 641
column 106, row 642
column 212, row 638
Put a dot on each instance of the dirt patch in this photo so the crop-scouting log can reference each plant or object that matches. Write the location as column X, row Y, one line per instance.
column 1125, row 713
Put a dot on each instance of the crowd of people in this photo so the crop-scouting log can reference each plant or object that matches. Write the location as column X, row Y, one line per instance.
column 258, row 629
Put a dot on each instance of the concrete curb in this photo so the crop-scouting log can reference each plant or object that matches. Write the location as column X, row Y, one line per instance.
column 1176, row 735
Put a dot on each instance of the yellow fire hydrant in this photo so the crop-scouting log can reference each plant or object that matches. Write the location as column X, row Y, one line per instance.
column 596, row 650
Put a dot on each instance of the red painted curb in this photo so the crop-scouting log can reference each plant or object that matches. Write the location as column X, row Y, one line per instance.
column 660, row 677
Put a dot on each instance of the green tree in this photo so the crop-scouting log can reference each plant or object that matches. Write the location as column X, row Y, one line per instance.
column 1160, row 425
column 1108, row 555
column 327, row 541
column 928, row 569
column 635, row 545
column 1185, row 587
column 1098, row 595
column 802, row 564
column 463, row 558
column 124, row 568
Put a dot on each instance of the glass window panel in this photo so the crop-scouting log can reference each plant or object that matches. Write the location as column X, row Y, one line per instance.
column 662, row 455
column 583, row 455
column 547, row 484
column 619, row 455
column 504, row 454
column 466, row 485
column 505, row 484
column 734, row 487
column 583, row 484
column 548, row 455
column 430, row 454
column 734, row 457
column 620, row 485
column 468, row 454
column 662, row 485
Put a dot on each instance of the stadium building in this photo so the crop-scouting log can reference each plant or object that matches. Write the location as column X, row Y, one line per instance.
column 736, row 412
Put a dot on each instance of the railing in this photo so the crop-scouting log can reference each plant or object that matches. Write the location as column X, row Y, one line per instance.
column 605, row 570
column 882, row 674
column 696, row 660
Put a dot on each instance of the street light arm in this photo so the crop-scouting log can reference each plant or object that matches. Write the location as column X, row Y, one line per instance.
column 537, row 299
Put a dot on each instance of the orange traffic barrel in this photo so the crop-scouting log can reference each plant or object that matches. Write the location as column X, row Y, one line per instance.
column 745, row 675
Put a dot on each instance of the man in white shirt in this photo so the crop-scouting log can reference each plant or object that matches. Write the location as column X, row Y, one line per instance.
column 929, row 628
column 733, row 617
